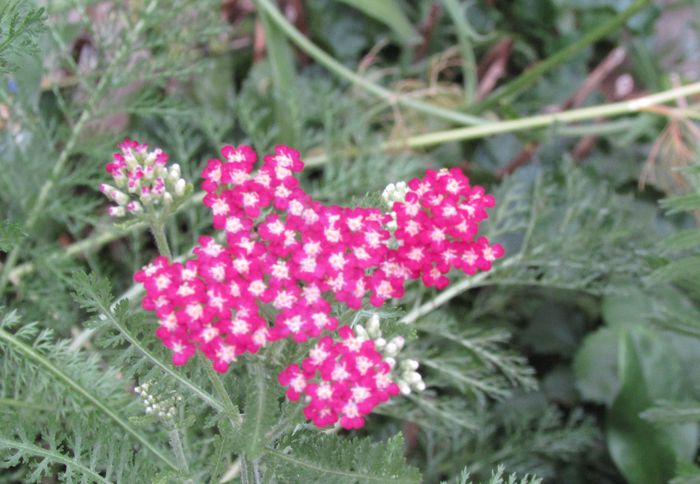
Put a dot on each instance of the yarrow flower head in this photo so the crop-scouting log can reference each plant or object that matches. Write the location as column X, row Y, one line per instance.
column 287, row 259
column 143, row 181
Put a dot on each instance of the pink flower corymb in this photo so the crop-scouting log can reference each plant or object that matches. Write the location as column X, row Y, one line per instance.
column 287, row 259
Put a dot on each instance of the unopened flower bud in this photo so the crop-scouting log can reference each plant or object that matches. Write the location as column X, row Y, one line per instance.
column 373, row 325
column 180, row 187
column 413, row 377
column 115, row 211
column 398, row 341
column 390, row 361
column 119, row 197
column 404, row 388
column 361, row 333
column 134, row 207
column 174, row 173
column 420, row 386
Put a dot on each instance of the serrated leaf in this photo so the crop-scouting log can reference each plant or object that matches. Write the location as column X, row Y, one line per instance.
column 682, row 203
column 643, row 452
column 682, row 240
column 260, row 412
column 678, row 270
column 389, row 13
column 312, row 457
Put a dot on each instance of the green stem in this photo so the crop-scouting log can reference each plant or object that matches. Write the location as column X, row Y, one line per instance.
column 531, row 76
column 340, row 70
column 454, row 10
column 178, row 450
column 204, row 396
column 38, row 359
column 95, row 242
column 544, row 120
column 451, row 292
column 229, row 406
column 45, row 190
column 23, row 404
column 158, row 231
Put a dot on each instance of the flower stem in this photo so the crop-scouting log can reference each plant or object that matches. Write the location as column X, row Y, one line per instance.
column 544, row 120
column 178, row 450
column 340, row 70
column 158, row 231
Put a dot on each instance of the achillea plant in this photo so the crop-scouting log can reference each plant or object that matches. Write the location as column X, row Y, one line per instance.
column 288, row 263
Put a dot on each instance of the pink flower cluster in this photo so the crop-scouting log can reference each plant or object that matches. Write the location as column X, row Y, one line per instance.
column 288, row 258
column 354, row 379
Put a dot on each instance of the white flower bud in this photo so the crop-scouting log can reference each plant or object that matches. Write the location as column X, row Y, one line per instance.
column 398, row 341
column 130, row 160
column 373, row 324
column 413, row 377
column 420, row 386
column 361, row 332
column 167, row 199
column 379, row 343
column 174, row 173
column 118, row 196
column 390, row 361
column 391, row 349
column 149, row 159
column 404, row 388
column 410, row 364
column 180, row 187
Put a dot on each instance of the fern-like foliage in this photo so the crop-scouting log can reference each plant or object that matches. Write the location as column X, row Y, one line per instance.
column 63, row 407
column 305, row 457
column 20, row 26
column 498, row 476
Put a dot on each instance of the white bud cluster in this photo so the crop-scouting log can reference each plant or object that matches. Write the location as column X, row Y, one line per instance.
column 143, row 179
column 394, row 192
column 403, row 370
column 157, row 405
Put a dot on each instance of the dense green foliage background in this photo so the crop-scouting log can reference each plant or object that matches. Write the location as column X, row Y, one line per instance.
column 574, row 360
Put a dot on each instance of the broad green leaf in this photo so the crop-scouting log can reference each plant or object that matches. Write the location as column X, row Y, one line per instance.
column 595, row 366
column 389, row 13
column 643, row 452
column 630, row 307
